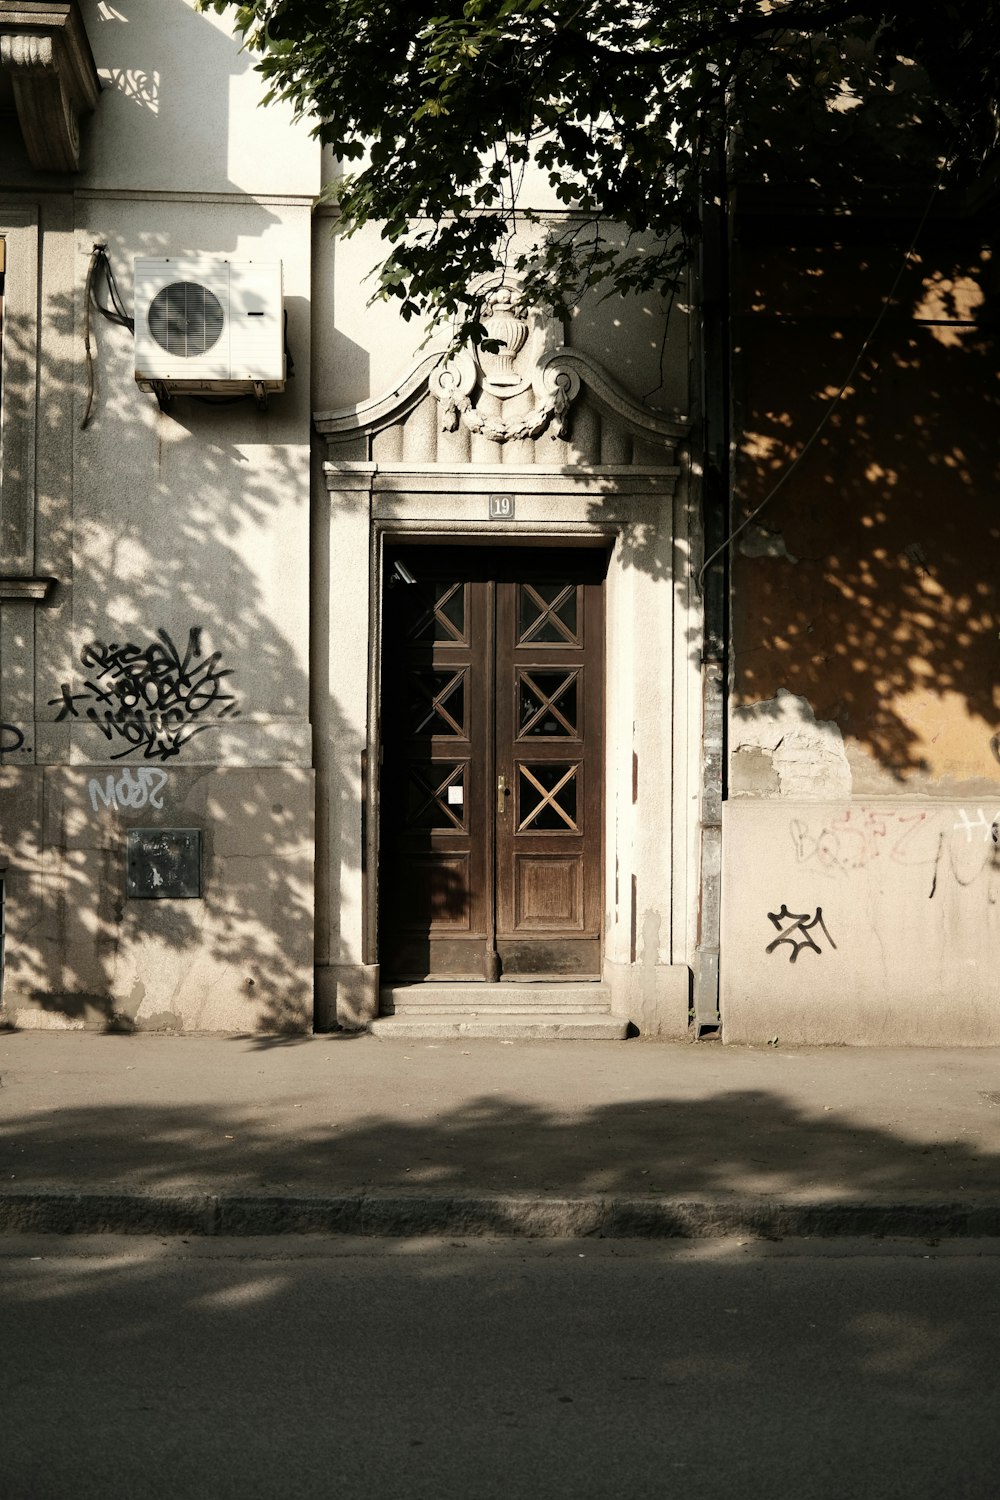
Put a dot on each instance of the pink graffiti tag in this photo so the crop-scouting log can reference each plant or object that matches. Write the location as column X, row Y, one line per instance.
column 859, row 836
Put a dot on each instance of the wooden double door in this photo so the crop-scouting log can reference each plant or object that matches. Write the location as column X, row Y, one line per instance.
column 491, row 782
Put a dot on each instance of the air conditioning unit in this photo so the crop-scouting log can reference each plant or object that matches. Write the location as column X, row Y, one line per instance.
column 209, row 325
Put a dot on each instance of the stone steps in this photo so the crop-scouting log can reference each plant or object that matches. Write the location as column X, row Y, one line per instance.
column 561, row 1011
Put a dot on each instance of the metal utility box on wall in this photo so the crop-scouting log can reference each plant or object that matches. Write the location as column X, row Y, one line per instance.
column 163, row 864
column 209, row 325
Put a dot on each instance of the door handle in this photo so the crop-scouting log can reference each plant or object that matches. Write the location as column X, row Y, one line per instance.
column 501, row 793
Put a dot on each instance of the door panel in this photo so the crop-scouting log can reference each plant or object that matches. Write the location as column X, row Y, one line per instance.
column 548, row 893
column 491, row 784
column 549, row 719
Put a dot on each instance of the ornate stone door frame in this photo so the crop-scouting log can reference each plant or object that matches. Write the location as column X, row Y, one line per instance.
column 633, row 507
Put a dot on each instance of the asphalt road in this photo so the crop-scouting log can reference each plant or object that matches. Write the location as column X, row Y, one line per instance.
column 311, row 1367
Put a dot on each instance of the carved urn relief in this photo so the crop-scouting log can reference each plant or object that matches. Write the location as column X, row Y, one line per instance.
column 507, row 328
column 527, row 358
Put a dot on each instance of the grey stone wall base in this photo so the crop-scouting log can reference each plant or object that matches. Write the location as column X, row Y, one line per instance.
column 656, row 998
column 346, row 996
column 237, row 959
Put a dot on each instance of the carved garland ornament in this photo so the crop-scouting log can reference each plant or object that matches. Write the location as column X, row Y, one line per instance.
column 554, row 403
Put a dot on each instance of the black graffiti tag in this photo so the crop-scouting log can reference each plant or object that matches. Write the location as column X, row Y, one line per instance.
column 151, row 697
column 11, row 739
column 796, row 928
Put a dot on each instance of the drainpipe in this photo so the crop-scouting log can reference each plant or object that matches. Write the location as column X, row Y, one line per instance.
column 715, row 395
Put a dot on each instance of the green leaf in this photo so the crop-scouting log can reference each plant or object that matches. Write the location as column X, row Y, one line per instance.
column 630, row 111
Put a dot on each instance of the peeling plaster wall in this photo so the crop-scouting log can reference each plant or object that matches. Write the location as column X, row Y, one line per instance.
column 868, row 588
column 782, row 740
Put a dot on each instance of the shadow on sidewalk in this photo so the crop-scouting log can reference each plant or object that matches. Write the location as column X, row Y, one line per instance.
column 729, row 1143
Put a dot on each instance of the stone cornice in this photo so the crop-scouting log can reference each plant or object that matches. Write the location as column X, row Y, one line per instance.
column 466, row 480
column 45, row 52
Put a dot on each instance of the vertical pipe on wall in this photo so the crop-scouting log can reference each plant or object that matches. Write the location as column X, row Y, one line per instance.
column 714, row 394
column 324, row 1014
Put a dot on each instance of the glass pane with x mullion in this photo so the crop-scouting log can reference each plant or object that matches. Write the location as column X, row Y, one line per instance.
column 547, row 798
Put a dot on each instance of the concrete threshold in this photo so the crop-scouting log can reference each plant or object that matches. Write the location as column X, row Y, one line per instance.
column 405, row 1215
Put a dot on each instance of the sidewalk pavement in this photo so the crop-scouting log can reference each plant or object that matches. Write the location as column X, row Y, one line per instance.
column 352, row 1134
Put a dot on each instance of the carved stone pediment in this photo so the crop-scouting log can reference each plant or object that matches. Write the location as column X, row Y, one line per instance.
column 45, row 52
column 444, row 414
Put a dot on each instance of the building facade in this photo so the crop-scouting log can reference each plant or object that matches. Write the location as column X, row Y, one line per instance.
column 397, row 690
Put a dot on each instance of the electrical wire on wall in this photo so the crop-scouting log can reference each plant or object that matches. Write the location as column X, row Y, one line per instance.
column 100, row 268
column 790, row 470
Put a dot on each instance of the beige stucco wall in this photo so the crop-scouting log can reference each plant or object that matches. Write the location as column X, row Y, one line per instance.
column 198, row 517
column 180, row 108
column 866, row 588
column 906, row 950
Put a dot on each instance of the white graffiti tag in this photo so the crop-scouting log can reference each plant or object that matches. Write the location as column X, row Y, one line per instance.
column 129, row 789
column 988, row 825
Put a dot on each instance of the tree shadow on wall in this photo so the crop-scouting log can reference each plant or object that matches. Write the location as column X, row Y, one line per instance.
column 868, row 586
column 174, row 537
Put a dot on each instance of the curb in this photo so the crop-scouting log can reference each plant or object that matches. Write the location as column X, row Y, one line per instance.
column 400, row 1216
